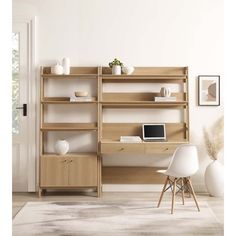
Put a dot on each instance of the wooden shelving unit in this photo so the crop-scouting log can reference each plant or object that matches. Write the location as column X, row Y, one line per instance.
column 73, row 170
column 76, row 170
column 177, row 133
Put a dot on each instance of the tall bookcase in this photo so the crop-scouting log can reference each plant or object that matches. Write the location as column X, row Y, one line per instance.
column 72, row 170
column 84, row 170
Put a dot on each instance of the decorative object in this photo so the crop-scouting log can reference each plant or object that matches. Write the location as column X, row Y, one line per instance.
column 208, row 90
column 128, row 70
column 61, row 147
column 120, row 217
column 81, row 93
column 57, row 69
column 116, row 66
column 66, row 65
column 165, row 92
column 214, row 174
column 165, row 99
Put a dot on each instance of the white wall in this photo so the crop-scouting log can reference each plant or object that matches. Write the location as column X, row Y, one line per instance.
column 140, row 33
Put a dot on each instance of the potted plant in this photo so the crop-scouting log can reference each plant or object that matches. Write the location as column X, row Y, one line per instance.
column 214, row 174
column 116, row 65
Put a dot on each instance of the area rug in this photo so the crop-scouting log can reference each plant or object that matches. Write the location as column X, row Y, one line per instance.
column 118, row 218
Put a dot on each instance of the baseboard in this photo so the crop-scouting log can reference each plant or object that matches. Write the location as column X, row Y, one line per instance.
column 143, row 187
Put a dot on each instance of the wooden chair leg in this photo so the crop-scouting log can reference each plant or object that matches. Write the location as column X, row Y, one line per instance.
column 163, row 190
column 182, row 186
column 173, row 196
column 193, row 193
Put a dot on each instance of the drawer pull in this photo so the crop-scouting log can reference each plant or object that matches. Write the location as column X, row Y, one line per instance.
column 166, row 149
column 63, row 161
column 122, row 149
column 70, row 161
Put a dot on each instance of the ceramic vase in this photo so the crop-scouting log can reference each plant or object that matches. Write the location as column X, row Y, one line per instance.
column 116, row 70
column 66, row 66
column 61, row 147
column 57, row 69
column 128, row 70
column 165, row 92
column 214, row 179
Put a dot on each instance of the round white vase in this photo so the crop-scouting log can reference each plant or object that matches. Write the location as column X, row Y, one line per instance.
column 165, row 92
column 61, row 147
column 214, row 179
column 57, row 69
column 116, row 70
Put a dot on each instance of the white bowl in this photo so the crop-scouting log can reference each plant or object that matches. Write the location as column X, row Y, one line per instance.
column 81, row 93
column 128, row 70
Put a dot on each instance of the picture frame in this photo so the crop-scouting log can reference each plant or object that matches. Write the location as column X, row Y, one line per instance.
column 208, row 90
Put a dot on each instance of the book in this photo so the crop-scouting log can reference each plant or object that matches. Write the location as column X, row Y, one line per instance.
column 130, row 139
column 165, row 99
column 82, row 99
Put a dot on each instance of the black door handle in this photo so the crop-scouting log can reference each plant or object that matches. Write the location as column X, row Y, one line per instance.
column 24, row 107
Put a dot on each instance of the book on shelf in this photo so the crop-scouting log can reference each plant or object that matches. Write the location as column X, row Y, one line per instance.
column 82, row 99
column 130, row 139
column 165, row 99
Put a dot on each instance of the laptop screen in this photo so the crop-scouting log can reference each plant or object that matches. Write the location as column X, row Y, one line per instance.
column 154, row 131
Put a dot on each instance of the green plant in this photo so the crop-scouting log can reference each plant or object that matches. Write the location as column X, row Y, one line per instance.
column 214, row 139
column 115, row 62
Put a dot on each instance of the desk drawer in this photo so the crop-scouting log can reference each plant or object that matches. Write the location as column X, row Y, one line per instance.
column 160, row 148
column 122, row 148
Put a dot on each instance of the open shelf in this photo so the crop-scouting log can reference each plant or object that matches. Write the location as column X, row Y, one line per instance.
column 86, row 154
column 143, row 104
column 68, row 126
column 142, row 79
column 65, row 100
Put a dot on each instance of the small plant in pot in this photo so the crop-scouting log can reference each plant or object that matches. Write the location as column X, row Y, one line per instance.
column 214, row 174
column 116, row 65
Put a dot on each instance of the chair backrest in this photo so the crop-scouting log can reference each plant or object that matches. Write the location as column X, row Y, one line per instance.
column 184, row 161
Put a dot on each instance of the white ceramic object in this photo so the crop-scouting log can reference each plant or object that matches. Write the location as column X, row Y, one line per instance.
column 66, row 65
column 128, row 70
column 81, row 93
column 165, row 92
column 116, row 70
column 214, row 179
column 61, row 147
column 57, row 69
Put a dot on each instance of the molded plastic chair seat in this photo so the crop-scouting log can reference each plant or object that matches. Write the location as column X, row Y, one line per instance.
column 183, row 164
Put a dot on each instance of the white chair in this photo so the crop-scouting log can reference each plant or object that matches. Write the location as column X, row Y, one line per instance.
column 184, row 163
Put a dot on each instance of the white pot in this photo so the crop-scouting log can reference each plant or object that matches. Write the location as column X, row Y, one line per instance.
column 57, row 69
column 214, row 179
column 61, row 147
column 165, row 92
column 116, row 70
column 66, row 66
column 128, row 70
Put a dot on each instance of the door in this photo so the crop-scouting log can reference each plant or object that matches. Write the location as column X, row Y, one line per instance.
column 23, row 138
column 54, row 171
column 83, row 171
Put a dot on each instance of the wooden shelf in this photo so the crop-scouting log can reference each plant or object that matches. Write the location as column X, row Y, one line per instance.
column 86, row 154
column 65, row 100
column 116, row 141
column 143, row 104
column 71, row 76
column 68, row 126
column 142, row 79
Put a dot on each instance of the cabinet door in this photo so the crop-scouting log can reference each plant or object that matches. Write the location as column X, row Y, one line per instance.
column 54, row 172
column 83, row 171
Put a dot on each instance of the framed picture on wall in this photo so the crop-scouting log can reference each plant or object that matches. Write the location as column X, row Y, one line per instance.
column 208, row 90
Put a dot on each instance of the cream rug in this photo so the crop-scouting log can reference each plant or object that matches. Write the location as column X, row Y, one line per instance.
column 118, row 218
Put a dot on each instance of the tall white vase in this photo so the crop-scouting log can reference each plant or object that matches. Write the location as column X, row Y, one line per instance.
column 61, row 147
column 66, row 66
column 214, row 179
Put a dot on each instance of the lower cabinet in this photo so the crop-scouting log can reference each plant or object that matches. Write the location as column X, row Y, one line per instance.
column 78, row 171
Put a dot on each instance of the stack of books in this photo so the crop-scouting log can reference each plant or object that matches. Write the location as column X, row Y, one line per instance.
column 81, row 99
column 165, row 99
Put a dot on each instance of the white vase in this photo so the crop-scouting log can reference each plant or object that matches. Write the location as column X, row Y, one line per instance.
column 128, row 70
column 57, row 69
column 116, row 70
column 165, row 92
column 214, row 179
column 66, row 66
column 61, row 147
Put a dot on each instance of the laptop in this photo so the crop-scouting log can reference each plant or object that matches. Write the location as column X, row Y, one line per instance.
column 154, row 132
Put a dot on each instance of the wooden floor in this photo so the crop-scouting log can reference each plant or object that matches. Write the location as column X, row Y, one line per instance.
column 19, row 199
